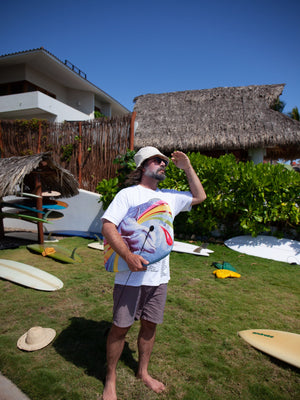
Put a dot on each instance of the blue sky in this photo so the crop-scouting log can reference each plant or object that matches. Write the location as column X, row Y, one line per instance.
column 129, row 48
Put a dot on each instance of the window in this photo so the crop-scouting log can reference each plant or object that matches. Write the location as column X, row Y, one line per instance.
column 22, row 87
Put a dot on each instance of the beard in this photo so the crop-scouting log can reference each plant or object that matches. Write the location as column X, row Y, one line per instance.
column 156, row 175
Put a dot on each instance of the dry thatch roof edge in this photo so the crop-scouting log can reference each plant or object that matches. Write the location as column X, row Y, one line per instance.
column 16, row 171
column 214, row 119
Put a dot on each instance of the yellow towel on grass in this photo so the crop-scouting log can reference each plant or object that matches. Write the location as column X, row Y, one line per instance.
column 225, row 273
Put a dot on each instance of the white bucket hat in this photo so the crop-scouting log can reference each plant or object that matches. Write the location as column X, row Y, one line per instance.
column 36, row 338
column 146, row 152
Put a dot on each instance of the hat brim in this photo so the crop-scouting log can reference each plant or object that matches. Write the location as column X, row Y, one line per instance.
column 49, row 335
column 160, row 155
column 147, row 152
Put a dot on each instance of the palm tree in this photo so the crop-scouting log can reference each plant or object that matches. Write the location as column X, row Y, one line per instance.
column 294, row 114
column 278, row 105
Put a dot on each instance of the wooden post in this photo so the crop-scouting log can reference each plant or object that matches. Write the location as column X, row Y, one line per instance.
column 80, row 155
column 131, row 139
column 1, row 143
column 40, row 137
column 1, row 223
column 39, row 206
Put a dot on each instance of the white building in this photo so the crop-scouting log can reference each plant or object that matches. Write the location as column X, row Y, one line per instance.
column 36, row 84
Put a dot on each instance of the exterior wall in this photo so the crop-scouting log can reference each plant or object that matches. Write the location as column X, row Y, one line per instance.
column 47, row 83
column 79, row 100
column 257, row 155
column 104, row 107
column 37, row 104
column 82, row 101
column 50, row 81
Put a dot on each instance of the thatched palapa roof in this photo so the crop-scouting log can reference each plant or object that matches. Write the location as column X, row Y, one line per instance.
column 225, row 118
column 21, row 171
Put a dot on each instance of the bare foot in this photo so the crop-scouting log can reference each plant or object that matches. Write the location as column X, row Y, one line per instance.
column 109, row 392
column 152, row 383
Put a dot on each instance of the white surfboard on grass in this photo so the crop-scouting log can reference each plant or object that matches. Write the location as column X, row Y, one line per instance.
column 26, row 275
column 182, row 247
column 270, row 247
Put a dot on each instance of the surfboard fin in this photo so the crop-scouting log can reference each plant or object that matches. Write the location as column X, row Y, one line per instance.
column 73, row 253
column 202, row 247
column 99, row 240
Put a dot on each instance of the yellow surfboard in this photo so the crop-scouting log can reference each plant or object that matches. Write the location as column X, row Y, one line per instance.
column 279, row 344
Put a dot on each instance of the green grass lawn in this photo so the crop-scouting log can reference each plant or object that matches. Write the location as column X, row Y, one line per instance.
column 198, row 354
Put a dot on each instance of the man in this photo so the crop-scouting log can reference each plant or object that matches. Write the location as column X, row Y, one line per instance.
column 141, row 292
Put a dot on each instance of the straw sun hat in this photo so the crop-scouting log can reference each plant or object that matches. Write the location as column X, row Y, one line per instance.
column 36, row 338
column 147, row 152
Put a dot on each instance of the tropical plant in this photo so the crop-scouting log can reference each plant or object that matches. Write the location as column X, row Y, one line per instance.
column 241, row 197
column 294, row 114
column 109, row 188
column 98, row 114
column 278, row 105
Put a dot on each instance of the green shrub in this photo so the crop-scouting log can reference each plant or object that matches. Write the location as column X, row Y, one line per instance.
column 241, row 197
column 109, row 188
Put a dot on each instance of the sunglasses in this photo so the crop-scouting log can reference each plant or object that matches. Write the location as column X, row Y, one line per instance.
column 159, row 160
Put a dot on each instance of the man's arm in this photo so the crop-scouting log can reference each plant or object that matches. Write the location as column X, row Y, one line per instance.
column 135, row 262
column 182, row 161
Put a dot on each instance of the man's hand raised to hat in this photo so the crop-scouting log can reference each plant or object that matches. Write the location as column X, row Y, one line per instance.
column 181, row 160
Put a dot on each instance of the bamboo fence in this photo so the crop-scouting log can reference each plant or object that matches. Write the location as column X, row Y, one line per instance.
column 86, row 148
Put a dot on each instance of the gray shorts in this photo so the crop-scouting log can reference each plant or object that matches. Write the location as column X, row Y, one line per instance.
column 132, row 303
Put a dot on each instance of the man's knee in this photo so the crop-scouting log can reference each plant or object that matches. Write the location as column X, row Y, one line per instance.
column 148, row 327
column 118, row 333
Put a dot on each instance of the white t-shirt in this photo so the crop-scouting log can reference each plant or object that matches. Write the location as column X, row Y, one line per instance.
column 159, row 272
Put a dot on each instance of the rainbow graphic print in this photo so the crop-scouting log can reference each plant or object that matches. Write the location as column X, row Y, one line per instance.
column 147, row 230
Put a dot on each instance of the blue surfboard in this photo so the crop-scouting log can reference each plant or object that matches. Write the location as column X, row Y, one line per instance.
column 20, row 206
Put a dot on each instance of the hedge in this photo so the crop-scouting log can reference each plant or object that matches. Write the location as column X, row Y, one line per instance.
column 242, row 198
